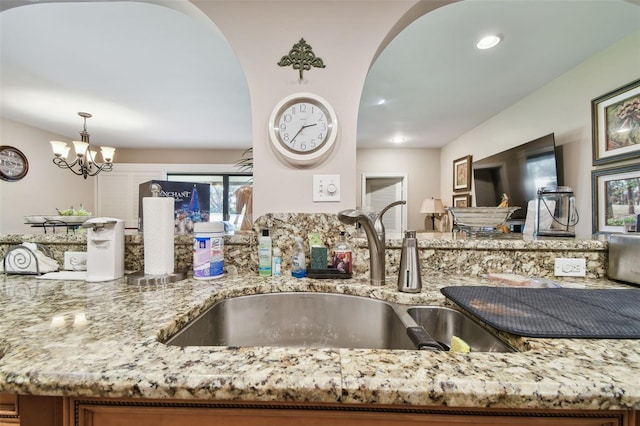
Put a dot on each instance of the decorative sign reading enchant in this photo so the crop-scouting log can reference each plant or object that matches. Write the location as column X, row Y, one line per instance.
column 301, row 57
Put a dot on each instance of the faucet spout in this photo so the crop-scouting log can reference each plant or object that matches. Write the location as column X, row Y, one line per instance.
column 375, row 239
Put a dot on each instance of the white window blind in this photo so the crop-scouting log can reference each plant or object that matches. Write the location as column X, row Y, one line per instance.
column 380, row 190
column 117, row 191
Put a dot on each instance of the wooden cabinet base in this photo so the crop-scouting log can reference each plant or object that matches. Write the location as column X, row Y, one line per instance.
column 41, row 410
column 9, row 412
column 30, row 410
column 119, row 412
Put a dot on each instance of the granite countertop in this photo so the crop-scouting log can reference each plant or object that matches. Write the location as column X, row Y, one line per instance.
column 101, row 339
column 425, row 240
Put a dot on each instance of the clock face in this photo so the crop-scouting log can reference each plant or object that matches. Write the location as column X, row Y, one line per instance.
column 13, row 163
column 303, row 128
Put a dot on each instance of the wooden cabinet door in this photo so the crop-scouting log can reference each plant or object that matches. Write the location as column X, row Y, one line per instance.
column 183, row 413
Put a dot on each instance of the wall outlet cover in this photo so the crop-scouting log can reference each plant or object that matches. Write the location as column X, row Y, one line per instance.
column 570, row 267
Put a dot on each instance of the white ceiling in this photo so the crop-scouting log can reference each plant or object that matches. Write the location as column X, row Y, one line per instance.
column 154, row 76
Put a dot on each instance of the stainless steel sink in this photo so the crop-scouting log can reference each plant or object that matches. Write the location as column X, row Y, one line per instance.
column 442, row 323
column 298, row 319
column 322, row 320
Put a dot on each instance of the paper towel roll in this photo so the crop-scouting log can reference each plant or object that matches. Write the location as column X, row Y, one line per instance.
column 158, row 235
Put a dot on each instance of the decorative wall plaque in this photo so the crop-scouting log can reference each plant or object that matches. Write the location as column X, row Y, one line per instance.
column 301, row 58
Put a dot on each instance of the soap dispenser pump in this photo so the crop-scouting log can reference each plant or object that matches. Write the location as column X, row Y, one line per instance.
column 409, row 278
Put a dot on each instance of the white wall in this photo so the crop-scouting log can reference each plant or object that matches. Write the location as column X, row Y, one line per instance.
column 347, row 39
column 563, row 107
column 340, row 33
column 422, row 167
column 45, row 187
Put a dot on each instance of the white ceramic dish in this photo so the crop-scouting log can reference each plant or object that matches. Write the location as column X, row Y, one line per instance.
column 68, row 219
column 481, row 217
column 35, row 218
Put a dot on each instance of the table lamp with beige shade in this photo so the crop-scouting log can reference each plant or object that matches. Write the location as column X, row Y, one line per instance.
column 432, row 206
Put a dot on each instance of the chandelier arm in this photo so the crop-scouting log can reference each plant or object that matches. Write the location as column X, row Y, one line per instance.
column 106, row 167
column 62, row 163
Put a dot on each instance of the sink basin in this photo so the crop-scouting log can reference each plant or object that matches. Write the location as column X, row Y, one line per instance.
column 328, row 320
column 298, row 319
column 442, row 323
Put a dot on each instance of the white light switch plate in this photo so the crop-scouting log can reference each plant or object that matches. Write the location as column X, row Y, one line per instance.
column 326, row 188
column 570, row 267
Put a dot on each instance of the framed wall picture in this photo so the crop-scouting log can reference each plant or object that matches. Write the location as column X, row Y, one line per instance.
column 615, row 195
column 615, row 123
column 461, row 200
column 462, row 174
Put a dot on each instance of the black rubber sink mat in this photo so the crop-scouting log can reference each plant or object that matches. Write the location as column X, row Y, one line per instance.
column 554, row 312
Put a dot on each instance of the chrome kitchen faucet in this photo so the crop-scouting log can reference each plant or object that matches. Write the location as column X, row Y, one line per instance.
column 375, row 238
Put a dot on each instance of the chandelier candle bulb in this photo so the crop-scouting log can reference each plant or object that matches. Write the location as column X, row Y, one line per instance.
column 92, row 155
column 60, row 149
column 107, row 153
column 80, row 147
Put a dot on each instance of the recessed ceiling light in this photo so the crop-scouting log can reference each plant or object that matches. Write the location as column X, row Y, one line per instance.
column 382, row 101
column 398, row 139
column 488, row 42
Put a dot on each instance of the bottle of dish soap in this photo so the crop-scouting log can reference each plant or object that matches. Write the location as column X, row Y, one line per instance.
column 299, row 259
column 264, row 254
column 342, row 255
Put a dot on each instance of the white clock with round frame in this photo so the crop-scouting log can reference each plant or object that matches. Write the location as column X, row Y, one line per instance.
column 303, row 128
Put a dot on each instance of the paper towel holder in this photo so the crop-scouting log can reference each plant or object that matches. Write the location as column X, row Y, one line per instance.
column 140, row 278
column 155, row 189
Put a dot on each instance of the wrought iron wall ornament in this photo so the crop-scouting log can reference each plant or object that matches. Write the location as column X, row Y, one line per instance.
column 301, row 57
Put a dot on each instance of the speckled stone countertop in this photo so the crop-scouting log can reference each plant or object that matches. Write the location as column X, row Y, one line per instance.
column 101, row 339
column 446, row 253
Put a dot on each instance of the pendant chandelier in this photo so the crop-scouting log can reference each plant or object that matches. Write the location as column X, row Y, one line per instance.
column 85, row 163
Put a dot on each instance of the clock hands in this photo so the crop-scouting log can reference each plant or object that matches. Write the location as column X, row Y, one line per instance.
column 301, row 129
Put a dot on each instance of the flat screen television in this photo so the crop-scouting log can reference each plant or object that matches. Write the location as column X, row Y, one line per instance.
column 518, row 172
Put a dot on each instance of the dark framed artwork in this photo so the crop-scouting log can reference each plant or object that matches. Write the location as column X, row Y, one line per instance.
column 461, row 200
column 615, row 194
column 462, row 174
column 615, row 125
